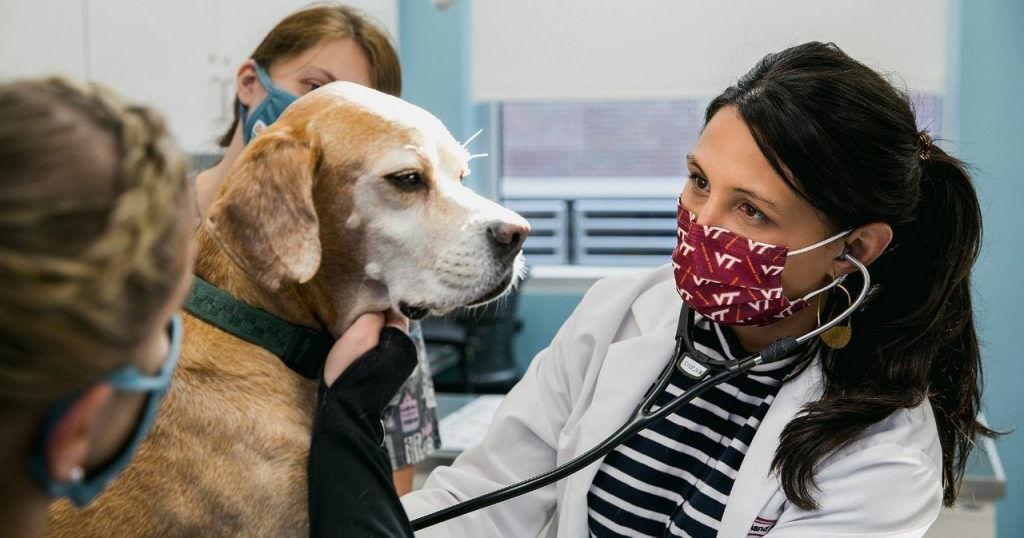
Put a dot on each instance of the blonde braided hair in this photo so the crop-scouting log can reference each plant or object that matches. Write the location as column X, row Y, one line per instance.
column 91, row 191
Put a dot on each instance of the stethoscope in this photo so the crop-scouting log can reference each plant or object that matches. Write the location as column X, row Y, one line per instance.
column 709, row 373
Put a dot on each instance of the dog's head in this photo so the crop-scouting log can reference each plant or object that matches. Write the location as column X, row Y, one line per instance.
column 352, row 191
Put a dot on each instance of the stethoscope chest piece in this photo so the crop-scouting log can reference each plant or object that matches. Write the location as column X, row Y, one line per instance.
column 691, row 367
column 691, row 362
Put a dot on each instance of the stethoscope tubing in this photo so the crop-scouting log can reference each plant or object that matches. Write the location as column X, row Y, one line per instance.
column 644, row 415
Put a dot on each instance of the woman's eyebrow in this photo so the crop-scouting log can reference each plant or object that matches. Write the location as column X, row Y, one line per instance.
column 323, row 73
column 692, row 161
column 770, row 204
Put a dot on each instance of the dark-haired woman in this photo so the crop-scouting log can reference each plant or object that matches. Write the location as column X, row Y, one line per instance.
column 809, row 156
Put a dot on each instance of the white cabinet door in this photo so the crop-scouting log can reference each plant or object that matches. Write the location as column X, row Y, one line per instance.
column 162, row 54
column 41, row 38
column 179, row 57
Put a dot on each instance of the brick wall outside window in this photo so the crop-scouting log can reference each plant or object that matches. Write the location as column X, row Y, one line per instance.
column 616, row 139
column 599, row 180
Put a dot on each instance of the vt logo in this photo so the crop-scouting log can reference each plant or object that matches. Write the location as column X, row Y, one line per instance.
column 726, row 260
column 757, row 247
column 784, row 313
column 759, row 305
column 770, row 270
column 712, row 231
column 718, row 316
column 725, row 298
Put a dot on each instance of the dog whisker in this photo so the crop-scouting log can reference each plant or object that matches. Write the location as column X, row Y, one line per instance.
column 467, row 142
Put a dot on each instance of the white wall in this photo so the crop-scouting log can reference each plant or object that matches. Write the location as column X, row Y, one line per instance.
column 179, row 56
column 37, row 38
column 600, row 49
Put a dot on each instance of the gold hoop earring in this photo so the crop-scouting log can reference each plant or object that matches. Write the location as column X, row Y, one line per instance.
column 837, row 337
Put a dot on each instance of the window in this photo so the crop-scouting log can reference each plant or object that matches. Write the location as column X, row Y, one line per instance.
column 598, row 181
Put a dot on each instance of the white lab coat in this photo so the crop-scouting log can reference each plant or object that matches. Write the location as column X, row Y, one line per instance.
column 586, row 384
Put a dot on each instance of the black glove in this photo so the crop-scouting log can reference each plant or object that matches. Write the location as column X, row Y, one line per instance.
column 366, row 387
column 350, row 489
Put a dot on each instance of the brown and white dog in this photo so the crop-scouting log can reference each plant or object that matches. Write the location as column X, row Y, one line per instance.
column 351, row 202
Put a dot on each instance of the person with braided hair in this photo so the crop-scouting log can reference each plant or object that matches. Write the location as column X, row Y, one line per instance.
column 96, row 225
column 95, row 261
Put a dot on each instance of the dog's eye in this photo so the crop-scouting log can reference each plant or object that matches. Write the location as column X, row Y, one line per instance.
column 409, row 179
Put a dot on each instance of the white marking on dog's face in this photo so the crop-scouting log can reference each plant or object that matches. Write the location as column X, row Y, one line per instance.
column 426, row 236
column 373, row 270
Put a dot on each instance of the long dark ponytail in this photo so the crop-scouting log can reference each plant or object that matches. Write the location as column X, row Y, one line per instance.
column 846, row 139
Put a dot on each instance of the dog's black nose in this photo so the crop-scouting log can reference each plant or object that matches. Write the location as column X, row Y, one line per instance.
column 508, row 237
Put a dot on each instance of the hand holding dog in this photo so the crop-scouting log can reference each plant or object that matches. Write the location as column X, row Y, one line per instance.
column 361, row 337
column 364, row 369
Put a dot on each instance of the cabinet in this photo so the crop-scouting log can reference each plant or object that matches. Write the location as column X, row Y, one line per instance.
column 158, row 54
column 179, row 57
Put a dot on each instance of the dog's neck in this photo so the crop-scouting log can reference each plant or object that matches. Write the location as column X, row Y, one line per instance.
column 308, row 304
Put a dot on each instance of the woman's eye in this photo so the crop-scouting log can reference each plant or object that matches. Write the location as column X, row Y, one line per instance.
column 312, row 85
column 752, row 212
column 409, row 179
column 699, row 182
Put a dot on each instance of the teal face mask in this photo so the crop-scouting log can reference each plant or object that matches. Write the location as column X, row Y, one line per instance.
column 266, row 112
column 126, row 379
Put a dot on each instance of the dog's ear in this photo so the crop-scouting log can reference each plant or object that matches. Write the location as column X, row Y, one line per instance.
column 264, row 217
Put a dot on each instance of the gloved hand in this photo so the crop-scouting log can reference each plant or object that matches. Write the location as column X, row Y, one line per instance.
column 361, row 337
column 349, row 476
column 364, row 370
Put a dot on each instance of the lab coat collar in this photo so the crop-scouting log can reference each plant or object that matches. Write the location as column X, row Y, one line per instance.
column 755, row 484
column 657, row 308
column 630, row 367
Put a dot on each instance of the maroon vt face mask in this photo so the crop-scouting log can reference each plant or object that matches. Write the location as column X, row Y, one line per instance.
column 733, row 280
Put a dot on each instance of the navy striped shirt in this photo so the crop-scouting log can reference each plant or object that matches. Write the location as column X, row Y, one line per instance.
column 673, row 478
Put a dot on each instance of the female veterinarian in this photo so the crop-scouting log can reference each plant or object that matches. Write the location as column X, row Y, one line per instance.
column 96, row 224
column 304, row 51
column 810, row 157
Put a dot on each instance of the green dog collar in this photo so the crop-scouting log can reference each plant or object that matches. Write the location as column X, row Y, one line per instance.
column 301, row 349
